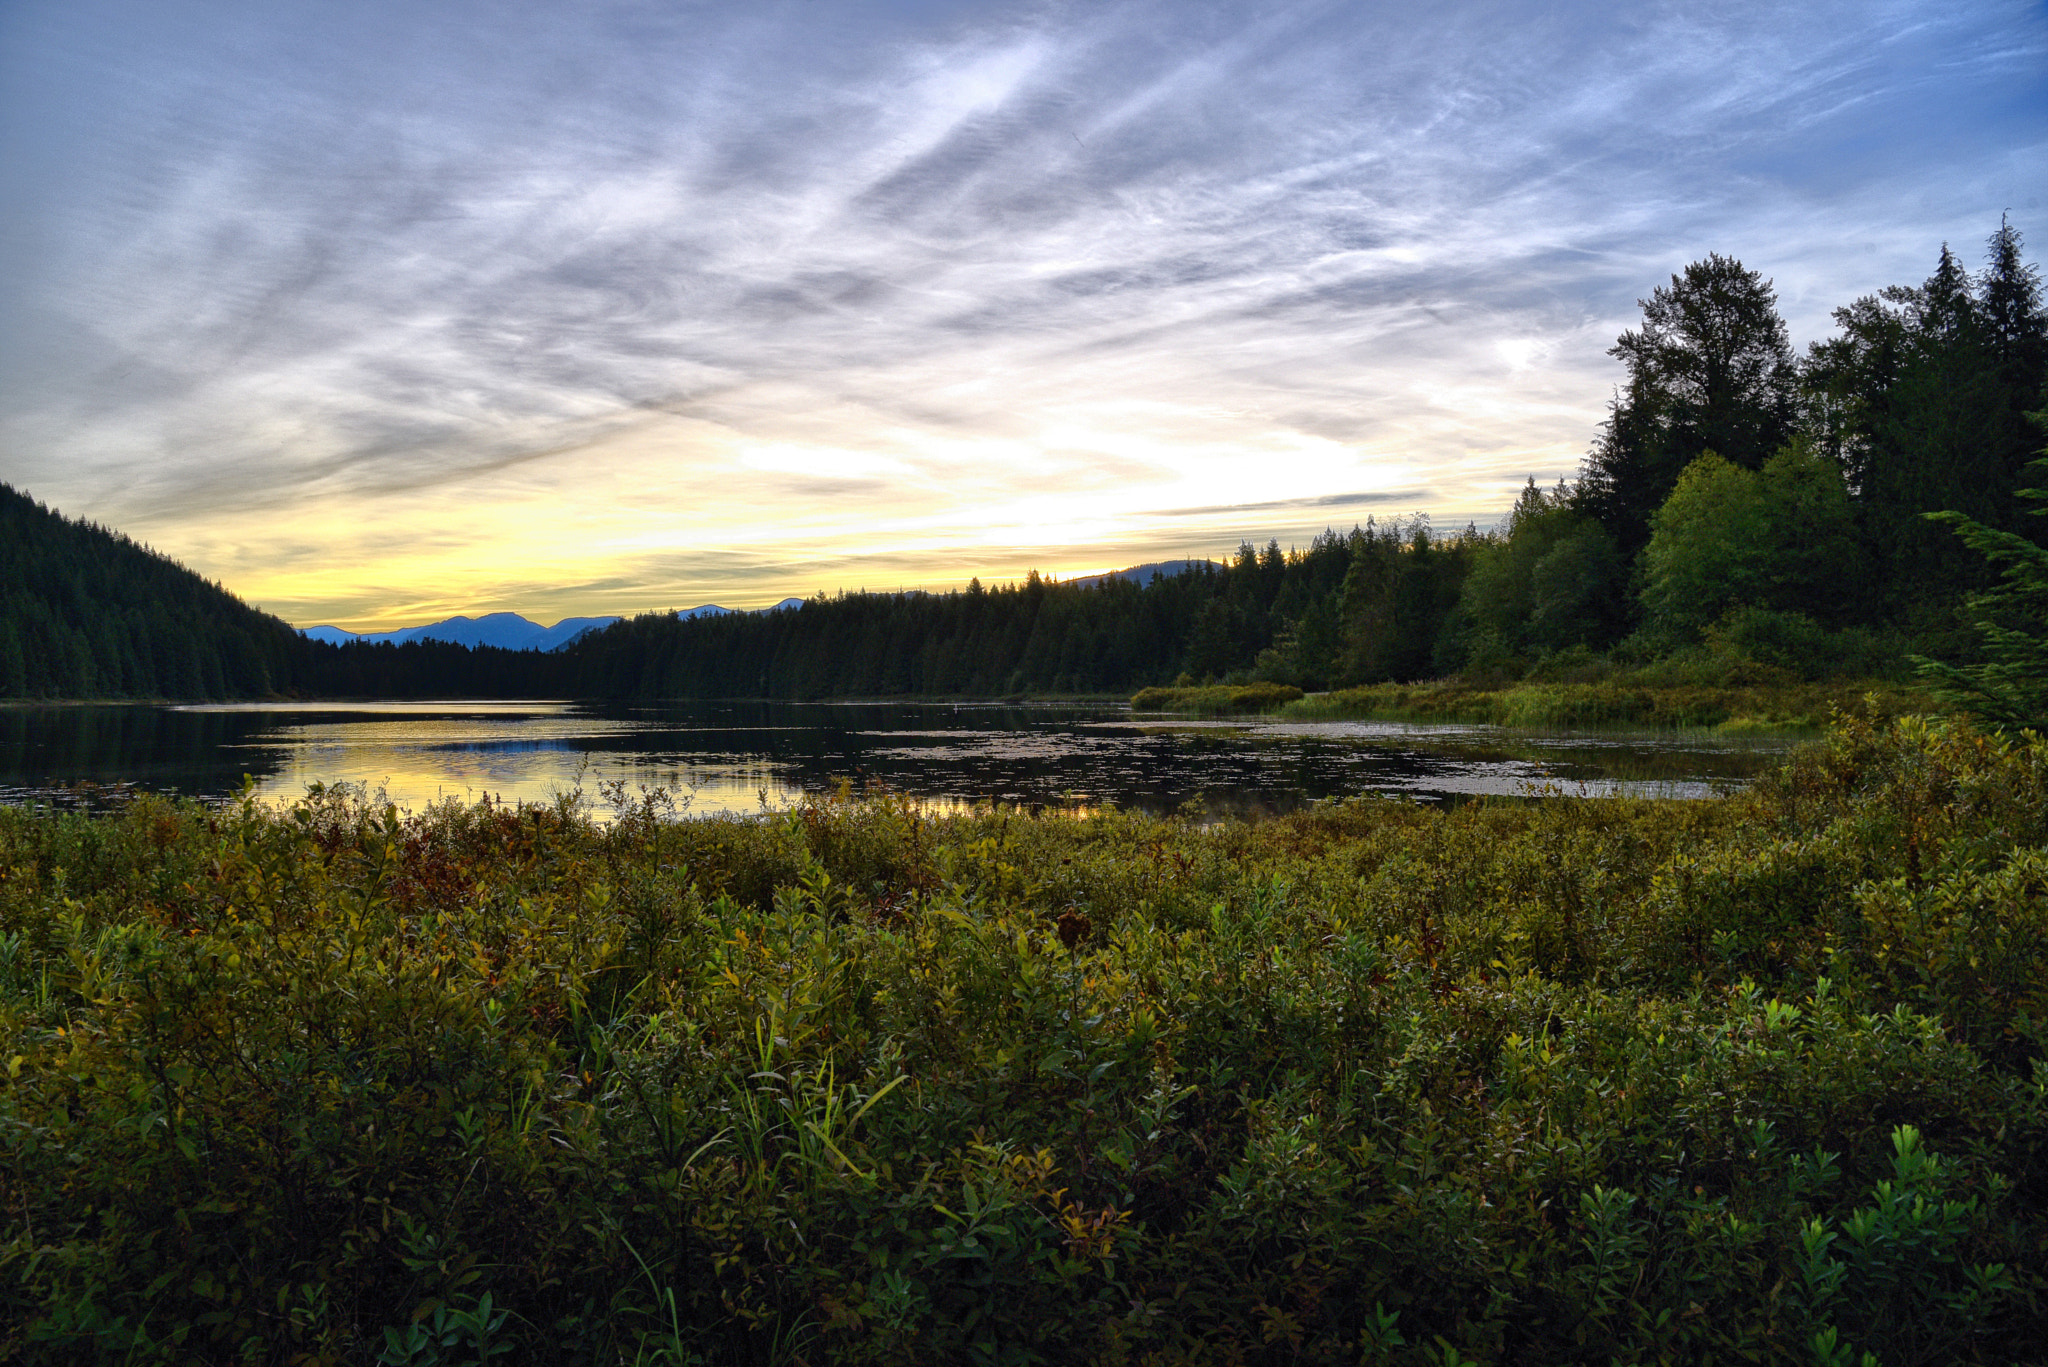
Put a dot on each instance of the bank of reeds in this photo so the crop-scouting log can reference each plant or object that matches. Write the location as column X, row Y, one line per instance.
column 1216, row 699
column 1758, row 1079
column 1790, row 707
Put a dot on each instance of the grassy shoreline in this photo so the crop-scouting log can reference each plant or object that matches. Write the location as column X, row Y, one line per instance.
column 1750, row 709
column 1760, row 709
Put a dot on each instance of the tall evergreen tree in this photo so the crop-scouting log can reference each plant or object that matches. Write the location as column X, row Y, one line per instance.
column 1711, row 369
column 2009, row 294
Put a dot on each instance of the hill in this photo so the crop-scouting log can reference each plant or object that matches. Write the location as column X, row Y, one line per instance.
column 1145, row 573
column 511, row 631
column 87, row 613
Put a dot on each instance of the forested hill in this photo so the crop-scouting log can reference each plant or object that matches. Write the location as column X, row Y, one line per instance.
column 87, row 613
column 1106, row 635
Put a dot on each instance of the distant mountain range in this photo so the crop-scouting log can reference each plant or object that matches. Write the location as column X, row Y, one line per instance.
column 510, row 631
column 506, row 630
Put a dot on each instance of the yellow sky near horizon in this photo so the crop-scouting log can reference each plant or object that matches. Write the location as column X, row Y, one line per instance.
column 687, row 512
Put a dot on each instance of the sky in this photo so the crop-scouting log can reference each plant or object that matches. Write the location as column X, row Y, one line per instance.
column 380, row 312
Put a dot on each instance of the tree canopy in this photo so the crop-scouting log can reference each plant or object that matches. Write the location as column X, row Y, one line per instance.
column 1710, row 369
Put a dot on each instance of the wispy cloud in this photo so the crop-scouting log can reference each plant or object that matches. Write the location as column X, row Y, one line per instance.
column 372, row 305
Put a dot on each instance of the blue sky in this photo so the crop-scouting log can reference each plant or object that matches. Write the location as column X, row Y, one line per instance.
column 379, row 312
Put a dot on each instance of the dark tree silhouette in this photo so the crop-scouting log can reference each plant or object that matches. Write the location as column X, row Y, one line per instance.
column 1711, row 369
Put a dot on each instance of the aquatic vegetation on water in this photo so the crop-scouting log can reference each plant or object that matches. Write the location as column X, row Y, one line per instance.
column 1563, row 1081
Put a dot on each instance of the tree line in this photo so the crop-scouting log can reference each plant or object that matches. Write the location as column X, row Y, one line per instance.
column 1741, row 502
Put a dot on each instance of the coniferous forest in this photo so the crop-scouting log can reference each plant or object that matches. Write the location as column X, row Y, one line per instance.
column 1742, row 508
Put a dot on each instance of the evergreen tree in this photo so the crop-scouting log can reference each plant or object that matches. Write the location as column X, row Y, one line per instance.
column 1922, row 401
column 2008, row 686
column 13, row 671
column 1549, row 579
column 2016, row 328
column 1711, row 369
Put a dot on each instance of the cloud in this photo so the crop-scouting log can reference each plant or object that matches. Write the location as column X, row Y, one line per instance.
column 719, row 273
column 1407, row 497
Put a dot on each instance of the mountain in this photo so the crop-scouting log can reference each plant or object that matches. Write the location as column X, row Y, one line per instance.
column 1141, row 575
column 505, row 630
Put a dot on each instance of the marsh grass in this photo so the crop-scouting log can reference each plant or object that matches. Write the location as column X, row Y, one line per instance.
column 1757, row 1079
column 1215, row 699
column 1783, row 708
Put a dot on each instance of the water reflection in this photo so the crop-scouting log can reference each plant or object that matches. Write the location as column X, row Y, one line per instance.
column 746, row 756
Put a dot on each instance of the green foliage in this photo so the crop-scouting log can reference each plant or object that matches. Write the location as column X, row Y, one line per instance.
column 85, row 613
column 1215, row 699
column 2008, row 686
column 1781, row 540
column 1399, row 594
column 1802, row 648
column 1921, row 399
column 1370, row 605
column 1703, row 554
column 1549, row 581
column 1688, row 691
column 1563, row 1081
column 1711, row 369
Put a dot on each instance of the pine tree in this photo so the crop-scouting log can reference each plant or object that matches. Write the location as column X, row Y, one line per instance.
column 2008, row 687
column 1711, row 369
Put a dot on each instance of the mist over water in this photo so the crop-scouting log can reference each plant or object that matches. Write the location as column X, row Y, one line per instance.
column 748, row 757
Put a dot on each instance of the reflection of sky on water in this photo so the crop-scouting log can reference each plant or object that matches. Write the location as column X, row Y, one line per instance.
column 740, row 757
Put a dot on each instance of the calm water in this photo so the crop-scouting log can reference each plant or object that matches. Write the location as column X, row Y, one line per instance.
column 742, row 756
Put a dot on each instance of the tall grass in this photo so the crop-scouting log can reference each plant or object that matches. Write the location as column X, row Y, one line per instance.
column 1215, row 699
column 1580, row 1080
column 1784, row 707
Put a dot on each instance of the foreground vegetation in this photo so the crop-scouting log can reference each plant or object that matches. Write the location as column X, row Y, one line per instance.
column 1575, row 1080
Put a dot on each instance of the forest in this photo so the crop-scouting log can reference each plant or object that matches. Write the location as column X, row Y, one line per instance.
column 1744, row 514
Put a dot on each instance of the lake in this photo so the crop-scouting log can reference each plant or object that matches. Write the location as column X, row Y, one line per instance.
column 747, row 756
